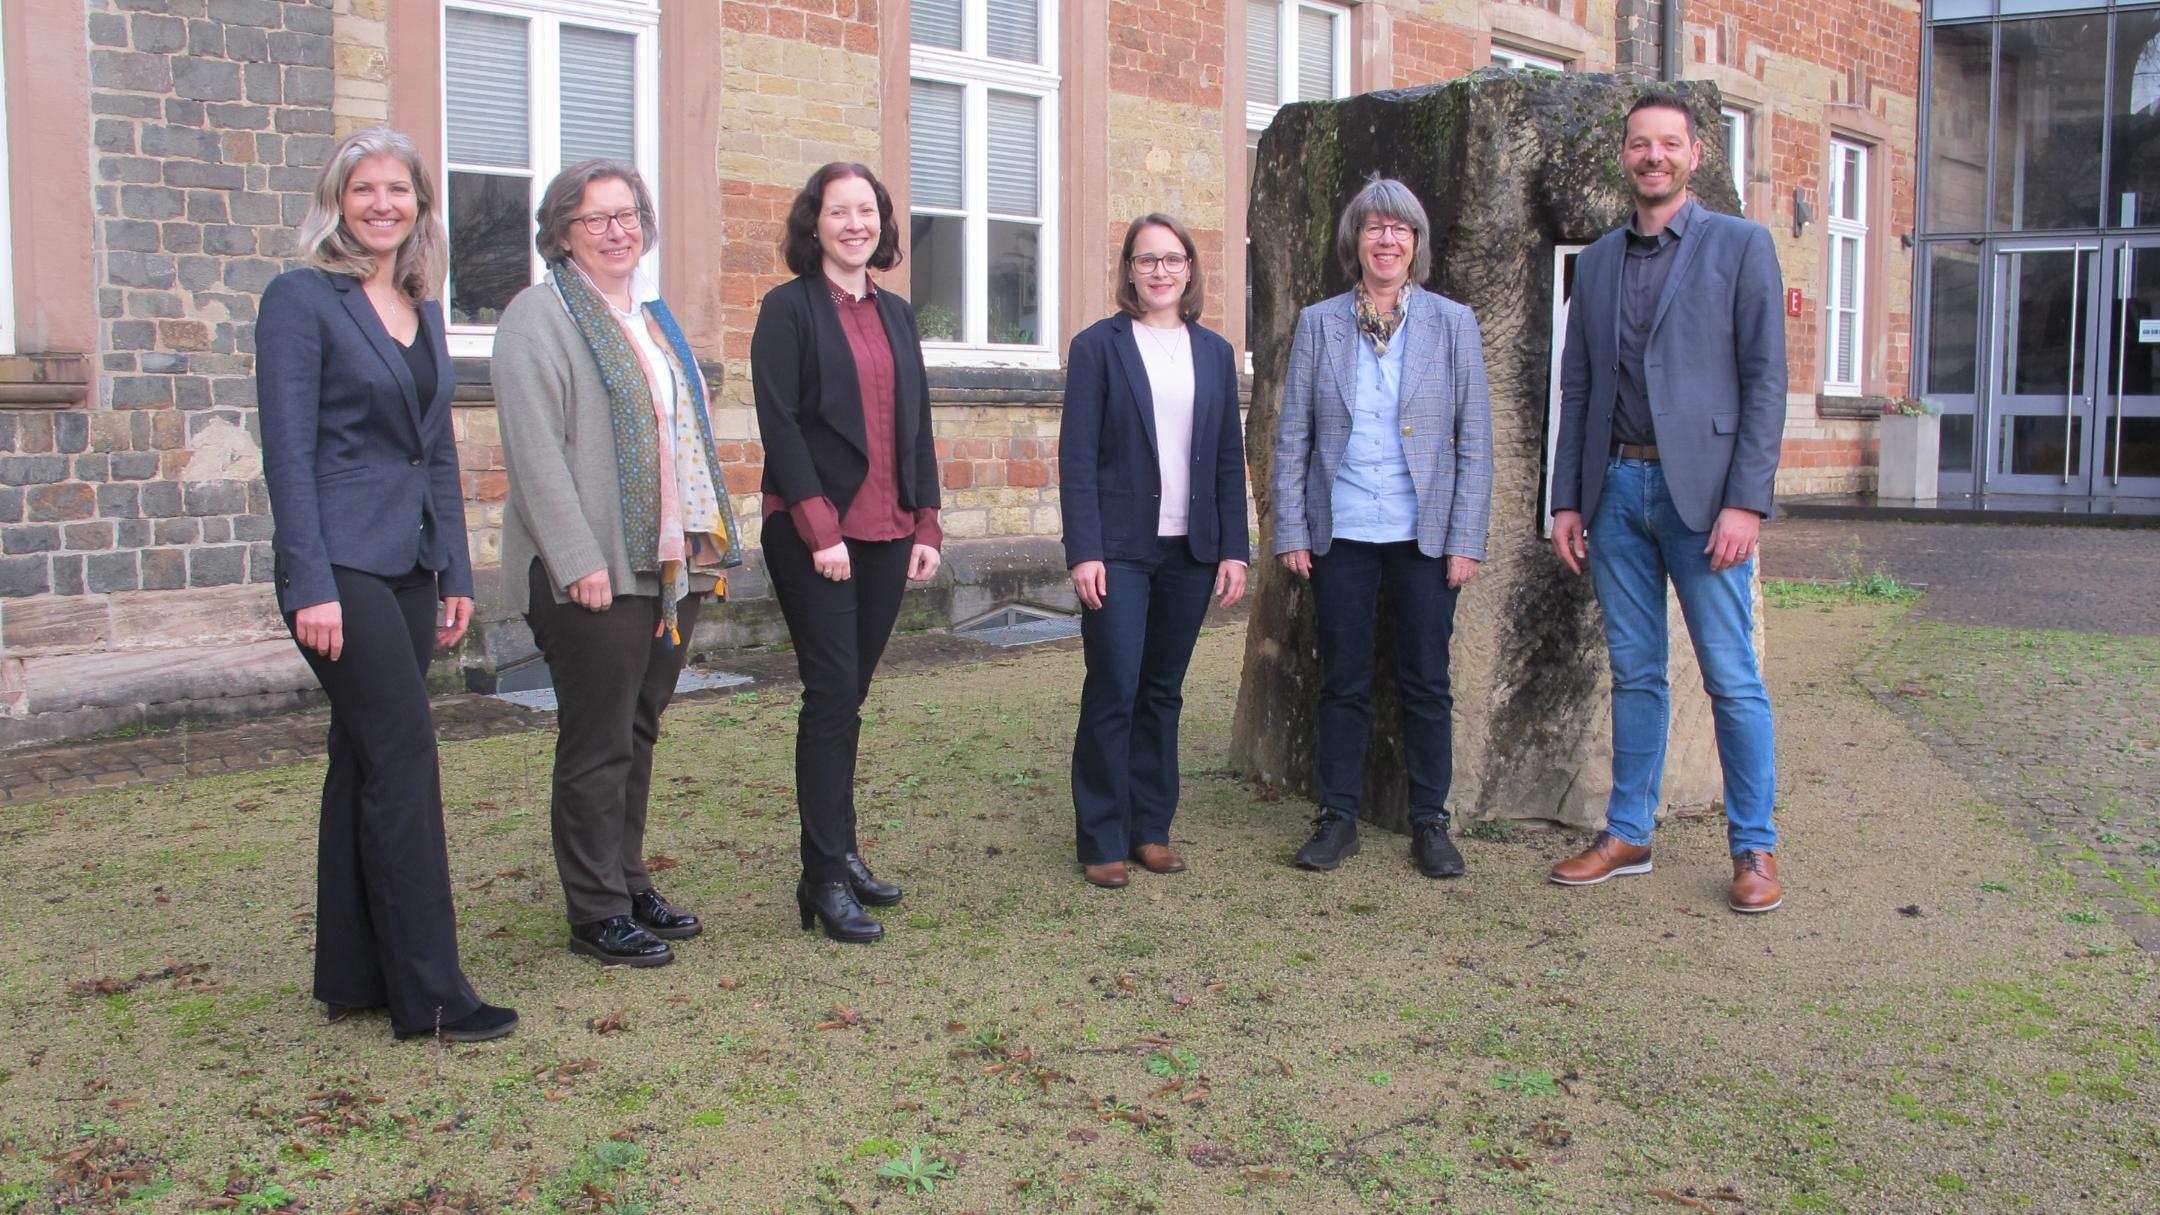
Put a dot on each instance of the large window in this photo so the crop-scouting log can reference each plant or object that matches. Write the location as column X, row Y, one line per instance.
column 1295, row 50
column 527, row 89
column 7, row 232
column 1845, row 304
column 982, row 164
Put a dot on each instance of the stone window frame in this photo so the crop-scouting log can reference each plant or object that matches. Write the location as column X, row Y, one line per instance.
column 1739, row 140
column 642, row 19
column 978, row 74
column 7, row 224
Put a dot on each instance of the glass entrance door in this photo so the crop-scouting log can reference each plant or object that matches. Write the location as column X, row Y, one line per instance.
column 2127, row 403
column 2042, row 369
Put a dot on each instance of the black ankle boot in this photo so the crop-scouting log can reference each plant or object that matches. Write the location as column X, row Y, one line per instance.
column 618, row 941
column 870, row 890
column 835, row 904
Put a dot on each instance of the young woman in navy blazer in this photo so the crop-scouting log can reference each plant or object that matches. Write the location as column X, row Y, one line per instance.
column 1151, row 477
column 353, row 380
column 851, row 503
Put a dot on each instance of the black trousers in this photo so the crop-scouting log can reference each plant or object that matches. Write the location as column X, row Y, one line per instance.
column 385, row 928
column 613, row 679
column 840, row 630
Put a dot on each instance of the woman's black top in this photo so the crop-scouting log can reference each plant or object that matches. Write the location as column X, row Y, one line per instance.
column 420, row 360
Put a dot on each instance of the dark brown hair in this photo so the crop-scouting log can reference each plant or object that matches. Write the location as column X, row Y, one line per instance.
column 799, row 246
column 1659, row 99
column 566, row 194
column 1128, row 296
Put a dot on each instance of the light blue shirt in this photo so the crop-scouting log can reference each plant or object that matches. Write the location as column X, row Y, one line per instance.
column 1373, row 498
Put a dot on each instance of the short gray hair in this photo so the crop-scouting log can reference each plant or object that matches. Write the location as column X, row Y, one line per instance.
column 1384, row 198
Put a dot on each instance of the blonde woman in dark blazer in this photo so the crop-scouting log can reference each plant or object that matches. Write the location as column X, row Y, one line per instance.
column 616, row 531
column 353, row 381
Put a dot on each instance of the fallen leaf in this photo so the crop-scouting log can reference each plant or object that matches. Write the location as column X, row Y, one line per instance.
column 615, row 1022
column 660, row 864
column 1682, row 1199
column 1255, row 1173
column 1910, row 911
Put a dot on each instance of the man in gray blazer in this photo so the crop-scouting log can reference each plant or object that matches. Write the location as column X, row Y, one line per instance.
column 1672, row 406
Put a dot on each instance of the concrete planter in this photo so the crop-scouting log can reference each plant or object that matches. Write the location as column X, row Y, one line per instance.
column 1908, row 457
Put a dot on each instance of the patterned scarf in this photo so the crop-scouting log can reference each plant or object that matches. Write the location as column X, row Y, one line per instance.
column 709, row 530
column 1377, row 326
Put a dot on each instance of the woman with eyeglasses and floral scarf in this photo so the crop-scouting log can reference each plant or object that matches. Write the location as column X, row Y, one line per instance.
column 616, row 530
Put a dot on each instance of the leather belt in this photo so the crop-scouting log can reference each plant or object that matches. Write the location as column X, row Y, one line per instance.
column 1635, row 451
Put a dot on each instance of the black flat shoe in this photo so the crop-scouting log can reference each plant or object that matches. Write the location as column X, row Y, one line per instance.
column 1334, row 840
column 618, row 941
column 653, row 914
column 480, row 1025
column 870, row 890
column 834, row 903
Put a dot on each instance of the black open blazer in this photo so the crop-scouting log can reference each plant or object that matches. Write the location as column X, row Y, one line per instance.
column 362, row 473
column 809, row 403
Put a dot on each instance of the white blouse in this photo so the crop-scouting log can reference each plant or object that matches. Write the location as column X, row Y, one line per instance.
column 1167, row 356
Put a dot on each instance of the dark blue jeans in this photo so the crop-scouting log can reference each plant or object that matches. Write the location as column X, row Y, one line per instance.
column 1346, row 581
column 1138, row 644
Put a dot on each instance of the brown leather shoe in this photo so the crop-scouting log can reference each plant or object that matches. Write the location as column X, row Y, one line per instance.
column 1109, row 876
column 1159, row 858
column 1608, row 857
column 1755, row 885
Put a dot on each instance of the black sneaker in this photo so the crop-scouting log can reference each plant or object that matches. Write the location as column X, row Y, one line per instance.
column 1434, row 853
column 1334, row 840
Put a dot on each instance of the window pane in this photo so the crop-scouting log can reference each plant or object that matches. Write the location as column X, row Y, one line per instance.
column 938, row 253
column 1953, row 320
column 1015, row 283
column 599, row 94
column 1958, row 128
column 490, row 244
column 2047, row 146
column 1852, row 178
column 485, row 93
column 1012, row 30
column 1954, row 451
column 935, row 23
column 2134, row 175
column 1848, row 255
column 1846, row 322
column 1316, row 55
column 1262, row 51
column 1015, row 174
column 1945, row 10
column 934, row 142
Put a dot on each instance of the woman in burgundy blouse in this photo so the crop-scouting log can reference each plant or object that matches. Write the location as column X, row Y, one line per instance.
column 851, row 503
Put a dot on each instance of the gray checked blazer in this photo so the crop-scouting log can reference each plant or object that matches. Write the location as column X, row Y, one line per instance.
column 1446, row 420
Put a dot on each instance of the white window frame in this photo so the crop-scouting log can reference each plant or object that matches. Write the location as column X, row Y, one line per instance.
column 1259, row 114
column 1841, row 230
column 1737, row 124
column 1515, row 59
column 7, row 226
column 977, row 74
column 638, row 18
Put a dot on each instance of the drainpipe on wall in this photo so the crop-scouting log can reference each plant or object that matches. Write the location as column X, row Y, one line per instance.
column 1673, row 28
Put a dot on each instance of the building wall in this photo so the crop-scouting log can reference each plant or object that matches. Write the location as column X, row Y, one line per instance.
column 134, row 526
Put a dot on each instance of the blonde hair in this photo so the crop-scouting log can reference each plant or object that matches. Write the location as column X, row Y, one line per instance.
column 327, row 244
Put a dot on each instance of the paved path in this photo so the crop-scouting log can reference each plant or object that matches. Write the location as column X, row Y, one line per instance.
column 2080, row 579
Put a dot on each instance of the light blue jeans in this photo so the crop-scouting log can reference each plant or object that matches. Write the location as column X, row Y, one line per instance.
column 1637, row 541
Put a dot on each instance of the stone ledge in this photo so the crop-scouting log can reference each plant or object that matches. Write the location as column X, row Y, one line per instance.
column 44, row 381
column 1851, row 408
column 476, row 386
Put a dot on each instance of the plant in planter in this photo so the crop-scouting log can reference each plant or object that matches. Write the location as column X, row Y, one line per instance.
column 1910, row 450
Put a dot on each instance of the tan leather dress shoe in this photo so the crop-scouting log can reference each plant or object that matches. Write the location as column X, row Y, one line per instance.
column 1608, row 857
column 1159, row 858
column 1110, row 876
column 1755, row 885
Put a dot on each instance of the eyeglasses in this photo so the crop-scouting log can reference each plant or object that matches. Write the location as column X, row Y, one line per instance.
column 1400, row 232
column 597, row 224
column 1148, row 263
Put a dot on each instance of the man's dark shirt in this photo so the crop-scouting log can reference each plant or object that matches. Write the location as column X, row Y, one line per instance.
column 1643, row 272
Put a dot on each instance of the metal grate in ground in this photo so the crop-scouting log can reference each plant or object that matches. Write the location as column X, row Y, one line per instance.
column 1013, row 625
column 542, row 700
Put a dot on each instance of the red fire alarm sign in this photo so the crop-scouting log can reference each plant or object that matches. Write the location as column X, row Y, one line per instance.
column 1792, row 301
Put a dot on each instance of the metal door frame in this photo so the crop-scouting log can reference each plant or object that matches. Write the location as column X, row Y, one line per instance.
column 2074, row 481
column 2116, row 265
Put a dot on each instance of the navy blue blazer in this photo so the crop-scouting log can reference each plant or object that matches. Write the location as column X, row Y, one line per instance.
column 362, row 473
column 1109, row 479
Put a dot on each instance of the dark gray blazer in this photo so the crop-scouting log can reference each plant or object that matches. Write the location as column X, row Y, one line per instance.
column 361, row 472
column 1715, row 362
column 1446, row 416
